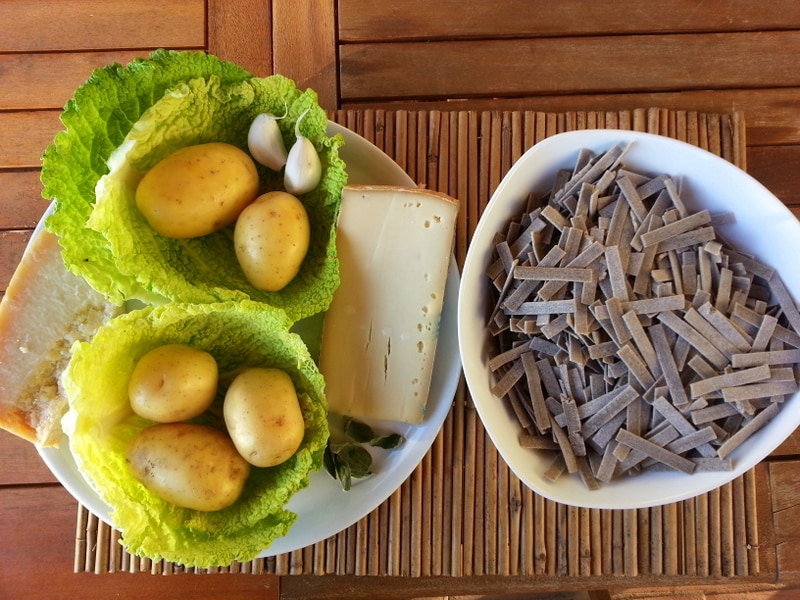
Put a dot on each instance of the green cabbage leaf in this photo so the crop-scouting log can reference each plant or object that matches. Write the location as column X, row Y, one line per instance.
column 100, row 424
column 121, row 122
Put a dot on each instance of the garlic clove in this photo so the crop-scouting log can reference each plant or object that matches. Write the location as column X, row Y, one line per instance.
column 303, row 167
column 265, row 142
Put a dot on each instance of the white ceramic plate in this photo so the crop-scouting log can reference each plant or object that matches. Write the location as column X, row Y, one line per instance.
column 764, row 227
column 323, row 508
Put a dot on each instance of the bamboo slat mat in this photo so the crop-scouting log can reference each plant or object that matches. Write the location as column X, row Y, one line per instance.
column 462, row 512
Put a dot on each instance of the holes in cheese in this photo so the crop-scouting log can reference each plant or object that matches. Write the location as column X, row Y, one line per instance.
column 380, row 332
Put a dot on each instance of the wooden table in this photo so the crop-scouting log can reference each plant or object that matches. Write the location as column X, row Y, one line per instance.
column 737, row 58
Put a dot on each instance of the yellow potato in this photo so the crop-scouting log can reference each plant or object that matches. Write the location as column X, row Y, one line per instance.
column 263, row 416
column 173, row 383
column 197, row 190
column 192, row 466
column 271, row 240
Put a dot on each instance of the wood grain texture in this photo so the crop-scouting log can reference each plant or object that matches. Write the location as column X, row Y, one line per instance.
column 35, row 26
column 791, row 447
column 47, row 81
column 13, row 245
column 19, row 502
column 33, row 567
column 304, row 42
column 241, row 32
column 21, row 203
column 777, row 165
column 21, row 464
column 787, row 477
column 601, row 64
column 25, row 135
column 785, row 484
column 21, row 207
column 366, row 20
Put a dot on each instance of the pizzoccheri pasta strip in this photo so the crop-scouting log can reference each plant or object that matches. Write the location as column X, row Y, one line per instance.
column 756, row 423
column 630, row 458
column 731, row 379
column 606, row 290
column 655, row 451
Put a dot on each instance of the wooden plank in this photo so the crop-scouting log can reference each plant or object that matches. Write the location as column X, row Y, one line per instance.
column 241, row 32
column 791, row 446
column 48, row 540
column 777, row 165
column 34, row 26
column 489, row 587
column 570, row 65
column 46, row 81
column 13, row 245
column 43, row 552
column 366, row 20
column 785, row 484
column 784, row 480
column 21, row 464
column 26, row 134
column 304, row 42
column 21, row 202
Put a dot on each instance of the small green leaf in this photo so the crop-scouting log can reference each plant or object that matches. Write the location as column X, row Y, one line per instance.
column 387, row 442
column 346, row 462
column 357, row 458
column 329, row 461
column 351, row 460
column 358, row 431
column 343, row 474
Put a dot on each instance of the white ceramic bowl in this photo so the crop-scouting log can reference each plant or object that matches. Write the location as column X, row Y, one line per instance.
column 764, row 228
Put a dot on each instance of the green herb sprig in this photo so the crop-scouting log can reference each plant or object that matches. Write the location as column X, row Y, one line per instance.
column 351, row 460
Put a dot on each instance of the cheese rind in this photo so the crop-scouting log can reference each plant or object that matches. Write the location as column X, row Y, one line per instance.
column 379, row 336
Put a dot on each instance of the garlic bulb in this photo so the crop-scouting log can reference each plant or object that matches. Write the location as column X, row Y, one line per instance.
column 265, row 142
column 303, row 167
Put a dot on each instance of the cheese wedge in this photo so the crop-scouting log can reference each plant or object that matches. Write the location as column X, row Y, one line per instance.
column 379, row 336
column 45, row 309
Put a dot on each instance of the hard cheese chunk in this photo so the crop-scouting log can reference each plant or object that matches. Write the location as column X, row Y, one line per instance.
column 44, row 311
column 379, row 337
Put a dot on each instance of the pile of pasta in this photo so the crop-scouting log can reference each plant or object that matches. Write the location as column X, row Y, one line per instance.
column 627, row 334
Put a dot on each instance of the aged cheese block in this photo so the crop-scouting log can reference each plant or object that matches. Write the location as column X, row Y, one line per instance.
column 379, row 336
column 44, row 311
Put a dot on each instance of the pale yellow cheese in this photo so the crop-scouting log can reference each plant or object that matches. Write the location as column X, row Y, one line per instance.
column 379, row 336
column 44, row 311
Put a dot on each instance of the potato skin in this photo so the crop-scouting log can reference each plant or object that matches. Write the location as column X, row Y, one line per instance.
column 173, row 382
column 192, row 466
column 271, row 240
column 263, row 416
column 197, row 190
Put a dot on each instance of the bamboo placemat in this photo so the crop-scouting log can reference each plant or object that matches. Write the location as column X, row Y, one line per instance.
column 462, row 512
